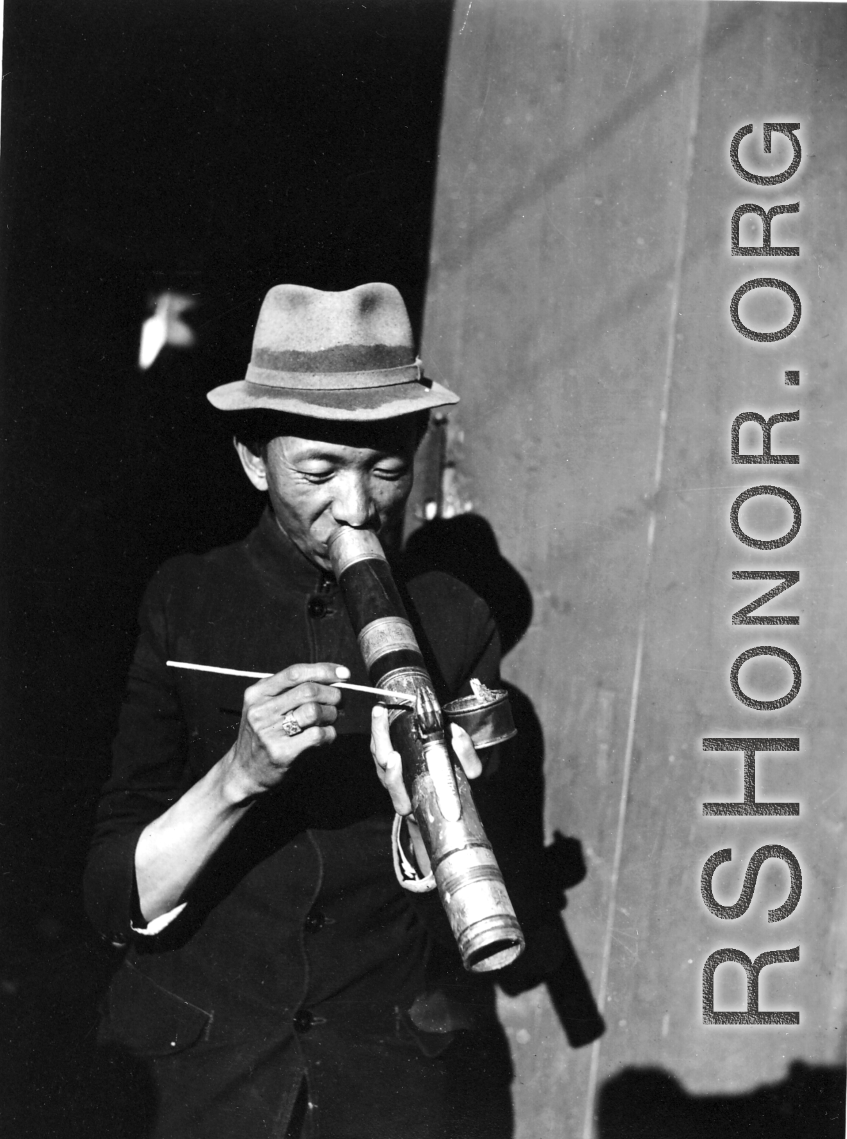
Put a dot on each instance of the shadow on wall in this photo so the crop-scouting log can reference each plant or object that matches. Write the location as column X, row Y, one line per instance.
column 648, row 1102
column 511, row 802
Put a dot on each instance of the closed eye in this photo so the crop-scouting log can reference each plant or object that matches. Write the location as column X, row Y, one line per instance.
column 392, row 474
column 317, row 476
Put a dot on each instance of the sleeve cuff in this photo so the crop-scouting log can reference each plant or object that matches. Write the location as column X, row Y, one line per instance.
column 161, row 922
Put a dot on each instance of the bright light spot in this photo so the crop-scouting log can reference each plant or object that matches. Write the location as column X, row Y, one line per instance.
column 165, row 326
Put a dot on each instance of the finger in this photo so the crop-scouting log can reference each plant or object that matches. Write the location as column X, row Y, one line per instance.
column 395, row 786
column 310, row 714
column 311, row 705
column 300, row 697
column 381, row 743
column 318, row 736
column 388, row 762
column 270, row 725
column 287, row 678
column 465, row 752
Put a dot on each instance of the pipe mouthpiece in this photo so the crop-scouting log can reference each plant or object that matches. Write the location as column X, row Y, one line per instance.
column 348, row 545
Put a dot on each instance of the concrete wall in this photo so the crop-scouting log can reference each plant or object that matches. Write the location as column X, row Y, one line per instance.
column 578, row 299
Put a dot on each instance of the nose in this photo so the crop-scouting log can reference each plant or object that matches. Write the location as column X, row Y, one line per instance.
column 352, row 504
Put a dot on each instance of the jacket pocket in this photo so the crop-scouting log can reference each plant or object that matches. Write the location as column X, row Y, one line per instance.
column 149, row 1020
column 431, row 1044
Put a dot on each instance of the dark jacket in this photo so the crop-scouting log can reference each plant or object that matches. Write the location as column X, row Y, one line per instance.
column 297, row 953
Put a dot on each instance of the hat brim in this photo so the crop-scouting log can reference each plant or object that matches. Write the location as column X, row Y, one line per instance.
column 340, row 403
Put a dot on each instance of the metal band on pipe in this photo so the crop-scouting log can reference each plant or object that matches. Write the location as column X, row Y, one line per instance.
column 353, row 546
column 386, row 635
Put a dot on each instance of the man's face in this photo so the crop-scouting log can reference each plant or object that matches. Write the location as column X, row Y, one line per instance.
column 352, row 475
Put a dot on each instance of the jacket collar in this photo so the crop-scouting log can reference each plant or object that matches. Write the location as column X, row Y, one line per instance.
column 275, row 554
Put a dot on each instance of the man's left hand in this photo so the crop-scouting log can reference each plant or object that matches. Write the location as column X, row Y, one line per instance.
column 389, row 766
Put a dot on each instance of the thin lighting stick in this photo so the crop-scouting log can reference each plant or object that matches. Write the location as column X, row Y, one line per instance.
column 384, row 694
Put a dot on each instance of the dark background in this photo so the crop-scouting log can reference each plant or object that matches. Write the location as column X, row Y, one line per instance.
column 213, row 146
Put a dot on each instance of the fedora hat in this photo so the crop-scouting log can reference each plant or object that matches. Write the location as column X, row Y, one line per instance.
column 333, row 355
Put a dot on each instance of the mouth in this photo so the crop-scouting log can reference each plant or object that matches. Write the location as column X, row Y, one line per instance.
column 325, row 543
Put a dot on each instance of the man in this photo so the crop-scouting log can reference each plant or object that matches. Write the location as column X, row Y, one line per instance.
column 279, row 981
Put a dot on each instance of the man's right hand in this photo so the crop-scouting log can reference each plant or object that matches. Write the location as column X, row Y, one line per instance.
column 264, row 750
column 173, row 849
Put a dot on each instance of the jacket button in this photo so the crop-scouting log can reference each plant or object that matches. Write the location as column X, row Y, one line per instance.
column 303, row 1020
column 315, row 921
column 317, row 607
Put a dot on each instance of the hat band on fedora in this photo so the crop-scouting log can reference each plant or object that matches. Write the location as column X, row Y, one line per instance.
column 334, row 358
column 336, row 381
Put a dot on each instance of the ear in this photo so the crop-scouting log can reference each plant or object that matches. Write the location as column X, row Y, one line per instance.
column 254, row 466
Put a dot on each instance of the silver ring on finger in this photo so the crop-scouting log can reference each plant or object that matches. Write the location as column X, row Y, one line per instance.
column 289, row 724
